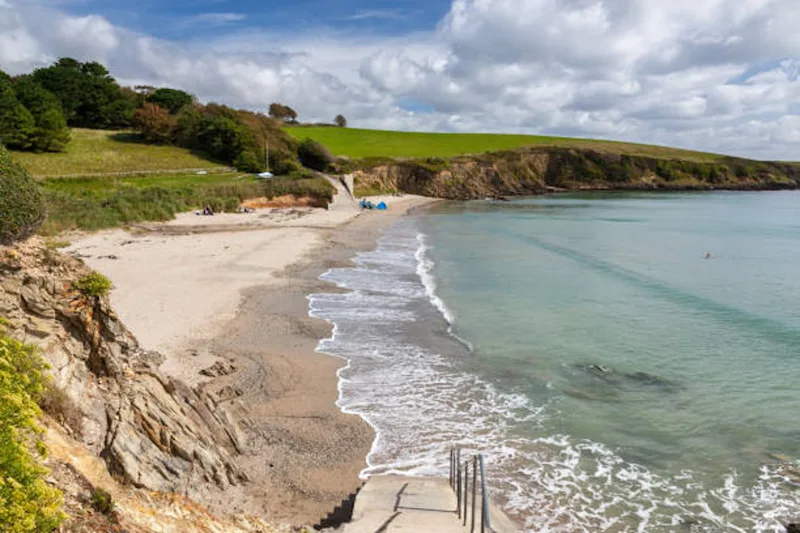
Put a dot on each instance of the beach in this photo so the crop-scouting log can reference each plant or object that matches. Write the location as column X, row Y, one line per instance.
column 224, row 299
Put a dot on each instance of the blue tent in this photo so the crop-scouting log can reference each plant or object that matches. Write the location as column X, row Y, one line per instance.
column 382, row 206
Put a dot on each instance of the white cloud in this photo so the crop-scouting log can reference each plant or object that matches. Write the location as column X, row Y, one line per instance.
column 718, row 75
column 210, row 20
column 381, row 14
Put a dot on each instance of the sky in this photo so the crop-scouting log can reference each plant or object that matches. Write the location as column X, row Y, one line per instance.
column 712, row 75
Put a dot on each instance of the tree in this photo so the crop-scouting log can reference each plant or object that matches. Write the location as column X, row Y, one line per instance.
column 340, row 121
column 89, row 96
column 187, row 127
column 22, row 207
column 17, row 125
column 315, row 156
column 102, row 105
column 154, row 123
column 172, row 100
column 51, row 133
column 66, row 81
column 282, row 112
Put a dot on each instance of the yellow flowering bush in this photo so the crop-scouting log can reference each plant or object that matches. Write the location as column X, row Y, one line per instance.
column 27, row 503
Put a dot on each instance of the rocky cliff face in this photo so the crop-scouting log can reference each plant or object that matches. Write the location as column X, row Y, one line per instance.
column 538, row 170
column 151, row 431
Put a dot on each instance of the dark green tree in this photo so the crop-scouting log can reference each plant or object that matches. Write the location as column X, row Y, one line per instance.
column 188, row 127
column 315, row 156
column 340, row 121
column 17, row 125
column 89, row 96
column 67, row 82
column 172, row 100
column 51, row 133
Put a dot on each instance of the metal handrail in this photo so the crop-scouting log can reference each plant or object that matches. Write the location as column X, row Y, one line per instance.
column 460, row 484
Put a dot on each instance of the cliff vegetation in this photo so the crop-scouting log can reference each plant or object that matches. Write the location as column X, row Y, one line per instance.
column 533, row 170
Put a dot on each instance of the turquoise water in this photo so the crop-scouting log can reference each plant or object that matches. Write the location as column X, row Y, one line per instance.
column 628, row 362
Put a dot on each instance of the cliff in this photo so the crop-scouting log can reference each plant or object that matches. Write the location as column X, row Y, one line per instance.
column 151, row 431
column 538, row 170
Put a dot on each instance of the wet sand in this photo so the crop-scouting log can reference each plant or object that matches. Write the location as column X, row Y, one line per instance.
column 301, row 453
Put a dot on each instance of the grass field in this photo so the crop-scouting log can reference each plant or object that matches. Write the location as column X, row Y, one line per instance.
column 357, row 144
column 107, row 152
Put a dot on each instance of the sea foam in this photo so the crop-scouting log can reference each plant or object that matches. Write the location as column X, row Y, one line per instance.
column 415, row 391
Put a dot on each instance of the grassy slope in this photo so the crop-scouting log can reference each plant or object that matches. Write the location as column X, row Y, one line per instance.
column 122, row 181
column 107, row 152
column 357, row 143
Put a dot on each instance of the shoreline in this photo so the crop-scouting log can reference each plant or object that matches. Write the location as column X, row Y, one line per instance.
column 302, row 453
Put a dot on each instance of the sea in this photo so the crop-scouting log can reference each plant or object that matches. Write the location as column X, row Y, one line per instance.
column 626, row 362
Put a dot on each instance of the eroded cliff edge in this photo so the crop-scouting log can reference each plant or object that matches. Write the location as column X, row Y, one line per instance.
column 539, row 170
column 152, row 432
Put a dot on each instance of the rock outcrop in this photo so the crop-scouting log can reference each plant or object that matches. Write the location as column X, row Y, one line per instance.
column 531, row 171
column 152, row 431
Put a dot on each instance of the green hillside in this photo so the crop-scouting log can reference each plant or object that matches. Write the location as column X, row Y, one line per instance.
column 110, row 178
column 358, row 143
column 110, row 152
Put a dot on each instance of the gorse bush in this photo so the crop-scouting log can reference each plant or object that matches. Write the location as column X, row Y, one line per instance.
column 22, row 207
column 94, row 285
column 27, row 503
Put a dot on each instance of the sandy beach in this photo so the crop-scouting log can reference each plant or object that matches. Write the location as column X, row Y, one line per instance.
column 227, row 296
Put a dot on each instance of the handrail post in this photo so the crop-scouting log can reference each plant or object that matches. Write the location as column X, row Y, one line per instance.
column 458, row 480
column 474, row 490
column 485, row 520
column 452, row 451
column 466, row 490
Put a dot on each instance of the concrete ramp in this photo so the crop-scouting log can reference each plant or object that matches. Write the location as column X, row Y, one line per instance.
column 344, row 190
column 398, row 503
column 410, row 504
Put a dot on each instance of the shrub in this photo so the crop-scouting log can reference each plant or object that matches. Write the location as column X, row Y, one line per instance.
column 27, row 503
column 248, row 162
column 155, row 123
column 94, row 285
column 313, row 155
column 57, row 403
column 281, row 162
column 22, row 207
column 102, row 502
column 172, row 100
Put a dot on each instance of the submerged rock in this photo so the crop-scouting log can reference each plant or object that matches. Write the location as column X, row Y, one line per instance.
column 644, row 378
column 609, row 375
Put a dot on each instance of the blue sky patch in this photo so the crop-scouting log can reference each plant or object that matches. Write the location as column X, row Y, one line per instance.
column 190, row 19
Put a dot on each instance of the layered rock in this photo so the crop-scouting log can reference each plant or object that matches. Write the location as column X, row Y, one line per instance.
column 531, row 171
column 152, row 431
